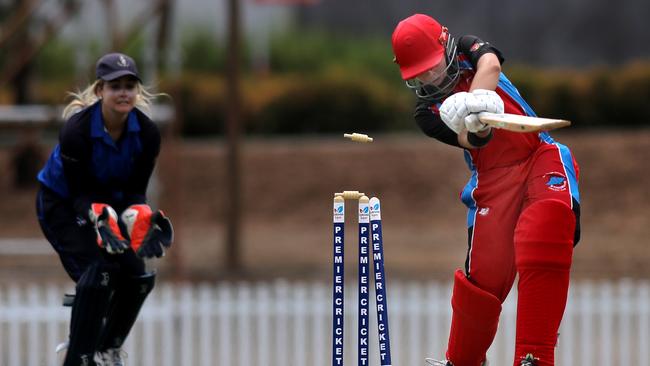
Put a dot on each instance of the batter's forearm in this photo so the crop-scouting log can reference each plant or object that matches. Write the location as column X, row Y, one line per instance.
column 487, row 74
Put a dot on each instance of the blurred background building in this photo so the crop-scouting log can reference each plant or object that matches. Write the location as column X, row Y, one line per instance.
column 580, row 33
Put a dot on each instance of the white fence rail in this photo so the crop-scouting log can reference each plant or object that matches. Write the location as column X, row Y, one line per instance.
column 284, row 323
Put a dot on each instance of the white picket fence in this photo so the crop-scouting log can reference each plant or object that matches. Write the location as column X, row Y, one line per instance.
column 285, row 323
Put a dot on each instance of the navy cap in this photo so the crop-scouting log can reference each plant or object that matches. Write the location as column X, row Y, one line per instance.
column 114, row 65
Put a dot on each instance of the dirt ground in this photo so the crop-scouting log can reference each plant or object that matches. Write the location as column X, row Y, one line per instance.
column 287, row 188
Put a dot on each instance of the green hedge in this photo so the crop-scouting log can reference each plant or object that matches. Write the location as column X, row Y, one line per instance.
column 335, row 100
column 290, row 104
column 602, row 97
column 315, row 52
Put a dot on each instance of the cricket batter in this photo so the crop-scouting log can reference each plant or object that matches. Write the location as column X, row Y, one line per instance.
column 522, row 198
column 93, row 209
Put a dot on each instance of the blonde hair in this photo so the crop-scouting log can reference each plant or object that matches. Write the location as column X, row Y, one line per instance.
column 82, row 99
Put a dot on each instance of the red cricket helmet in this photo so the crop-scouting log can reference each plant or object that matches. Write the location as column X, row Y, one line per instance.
column 419, row 43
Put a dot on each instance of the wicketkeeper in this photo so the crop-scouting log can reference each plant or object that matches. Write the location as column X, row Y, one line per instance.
column 92, row 208
column 522, row 197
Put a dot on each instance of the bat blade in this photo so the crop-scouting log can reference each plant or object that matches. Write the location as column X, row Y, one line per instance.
column 519, row 123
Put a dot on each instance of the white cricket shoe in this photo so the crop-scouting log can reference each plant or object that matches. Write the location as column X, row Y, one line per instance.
column 432, row 362
column 62, row 347
column 110, row 357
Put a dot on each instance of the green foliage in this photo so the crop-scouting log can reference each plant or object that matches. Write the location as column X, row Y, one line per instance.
column 201, row 52
column 291, row 104
column 56, row 61
column 324, row 83
column 202, row 102
column 314, row 52
column 632, row 88
column 336, row 100
column 603, row 97
column 134, row 47
column 332, row 103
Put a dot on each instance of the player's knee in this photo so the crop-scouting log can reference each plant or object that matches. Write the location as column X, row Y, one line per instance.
column 544, row 235
column 141, row 286
column 472, row 301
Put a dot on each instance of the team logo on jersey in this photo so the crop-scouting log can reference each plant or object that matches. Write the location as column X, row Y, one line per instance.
column 555, row 181
column 476, row 46
column 122, row 62
column 444, row 36
column 484, row 211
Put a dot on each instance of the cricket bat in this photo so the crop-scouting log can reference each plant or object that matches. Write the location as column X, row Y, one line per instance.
column 518, row 123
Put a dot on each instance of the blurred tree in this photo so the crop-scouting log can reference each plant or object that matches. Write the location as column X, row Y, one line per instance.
column 26, row 42
column 201, row 53
column 160, row 11
column 110, row 18
column 17, row 41
column 233, row 130
column 164, row 33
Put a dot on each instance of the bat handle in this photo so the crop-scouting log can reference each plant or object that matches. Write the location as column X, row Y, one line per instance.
column 482, row 115
column 491, row 119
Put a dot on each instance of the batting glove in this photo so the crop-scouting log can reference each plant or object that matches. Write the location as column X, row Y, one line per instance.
column 484, row 101
column 454, row 110
column 109, row 237
column 149, row 232
column 473, row 123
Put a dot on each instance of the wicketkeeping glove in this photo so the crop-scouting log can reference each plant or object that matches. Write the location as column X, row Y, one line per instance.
column 149, row 232
column 109, row 237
